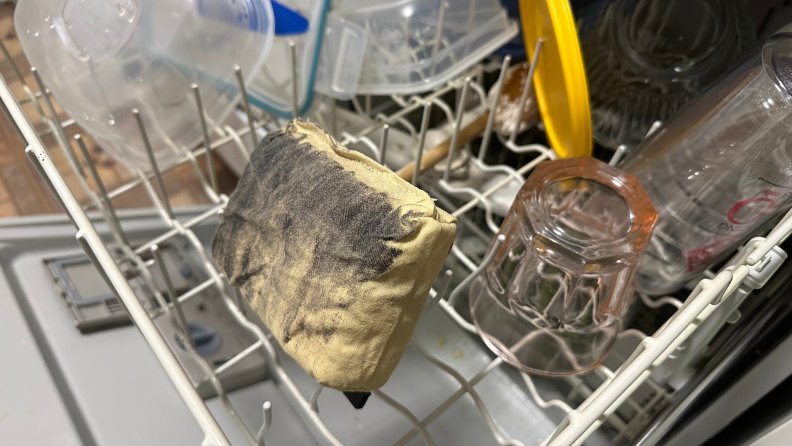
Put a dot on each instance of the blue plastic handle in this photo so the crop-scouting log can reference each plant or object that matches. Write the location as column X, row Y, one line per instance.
column 287, row 21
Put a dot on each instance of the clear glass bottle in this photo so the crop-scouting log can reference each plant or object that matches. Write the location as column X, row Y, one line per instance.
column 552, row 300
column 719, row 170
column 647, row 58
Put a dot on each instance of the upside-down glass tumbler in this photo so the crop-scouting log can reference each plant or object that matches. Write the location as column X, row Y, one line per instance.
column 552, row 300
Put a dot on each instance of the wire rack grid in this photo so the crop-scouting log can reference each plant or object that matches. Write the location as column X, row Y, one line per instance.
column 599, row 404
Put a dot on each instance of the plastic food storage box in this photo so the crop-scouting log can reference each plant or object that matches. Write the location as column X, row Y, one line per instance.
column 419, row 45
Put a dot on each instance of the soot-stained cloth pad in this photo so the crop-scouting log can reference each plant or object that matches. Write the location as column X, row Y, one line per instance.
column 335, row 253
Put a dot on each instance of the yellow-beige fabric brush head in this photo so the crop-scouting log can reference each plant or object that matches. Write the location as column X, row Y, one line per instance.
column 335, row 253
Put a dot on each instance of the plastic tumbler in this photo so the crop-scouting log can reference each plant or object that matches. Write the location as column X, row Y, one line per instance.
column 552, row 300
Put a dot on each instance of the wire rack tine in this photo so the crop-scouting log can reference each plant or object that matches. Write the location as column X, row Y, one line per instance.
column 279, row 375
column 444, row 107
column 441, row 292
column 405, row 110
column 31, row 97
column 474, row 275
column 14, row 66
column 460, row 112
column 207, row 140
column 538, row 398
column 618, row 155
column 246, row 102
column 334, row 118
column 31, row 154
column 10, row 119
column 653, row 128
column 266, row 423
column 211, row 193
column 295, row 80
column 177, row 308
column 240, row 300
column 217, row 280
column 114, row 222
column 115, row 193
column 523, row 170
column 154, row 164
column 527, row 87
column 485, row 143
column 384, row 143
column 421, row 141
column 59, row 132
column 657, row 303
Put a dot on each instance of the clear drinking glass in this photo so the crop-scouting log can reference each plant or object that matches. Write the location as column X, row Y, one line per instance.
column 552, row 300
column 719, row 170
column 646, row 58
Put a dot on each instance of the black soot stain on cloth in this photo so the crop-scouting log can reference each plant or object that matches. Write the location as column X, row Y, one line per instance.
column 299, row 221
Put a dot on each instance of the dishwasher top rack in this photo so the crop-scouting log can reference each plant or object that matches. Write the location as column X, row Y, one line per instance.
column 600, row 404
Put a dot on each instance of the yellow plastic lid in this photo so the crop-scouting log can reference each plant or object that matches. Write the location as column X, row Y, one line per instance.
column 560, row 77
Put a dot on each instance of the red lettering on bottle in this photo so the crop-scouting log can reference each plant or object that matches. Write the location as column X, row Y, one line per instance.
column 741, row 204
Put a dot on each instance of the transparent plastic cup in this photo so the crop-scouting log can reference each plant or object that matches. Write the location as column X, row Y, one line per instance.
column 103, row 58
column 719, row 170
column 552, row 300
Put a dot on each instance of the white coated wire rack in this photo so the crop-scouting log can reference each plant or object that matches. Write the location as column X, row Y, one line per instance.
column 611, row 398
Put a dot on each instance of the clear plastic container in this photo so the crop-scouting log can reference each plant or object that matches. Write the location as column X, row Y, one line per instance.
column 719, row 170
column 341, row 58
column 103, row 58
column 553, row 298
column 271, row 89
column 417, row 45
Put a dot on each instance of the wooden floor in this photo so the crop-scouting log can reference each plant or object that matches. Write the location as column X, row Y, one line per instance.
column 22, row 191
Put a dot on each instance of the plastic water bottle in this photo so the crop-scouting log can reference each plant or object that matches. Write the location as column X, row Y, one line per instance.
column 718, row 170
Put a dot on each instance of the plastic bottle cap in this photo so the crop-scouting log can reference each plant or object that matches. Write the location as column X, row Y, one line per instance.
column 560, row 76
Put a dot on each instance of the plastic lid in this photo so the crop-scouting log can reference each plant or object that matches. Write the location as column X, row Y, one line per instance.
column 560, row 77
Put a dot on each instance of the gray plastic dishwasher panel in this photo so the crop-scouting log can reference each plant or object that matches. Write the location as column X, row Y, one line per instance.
column 31, row 410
